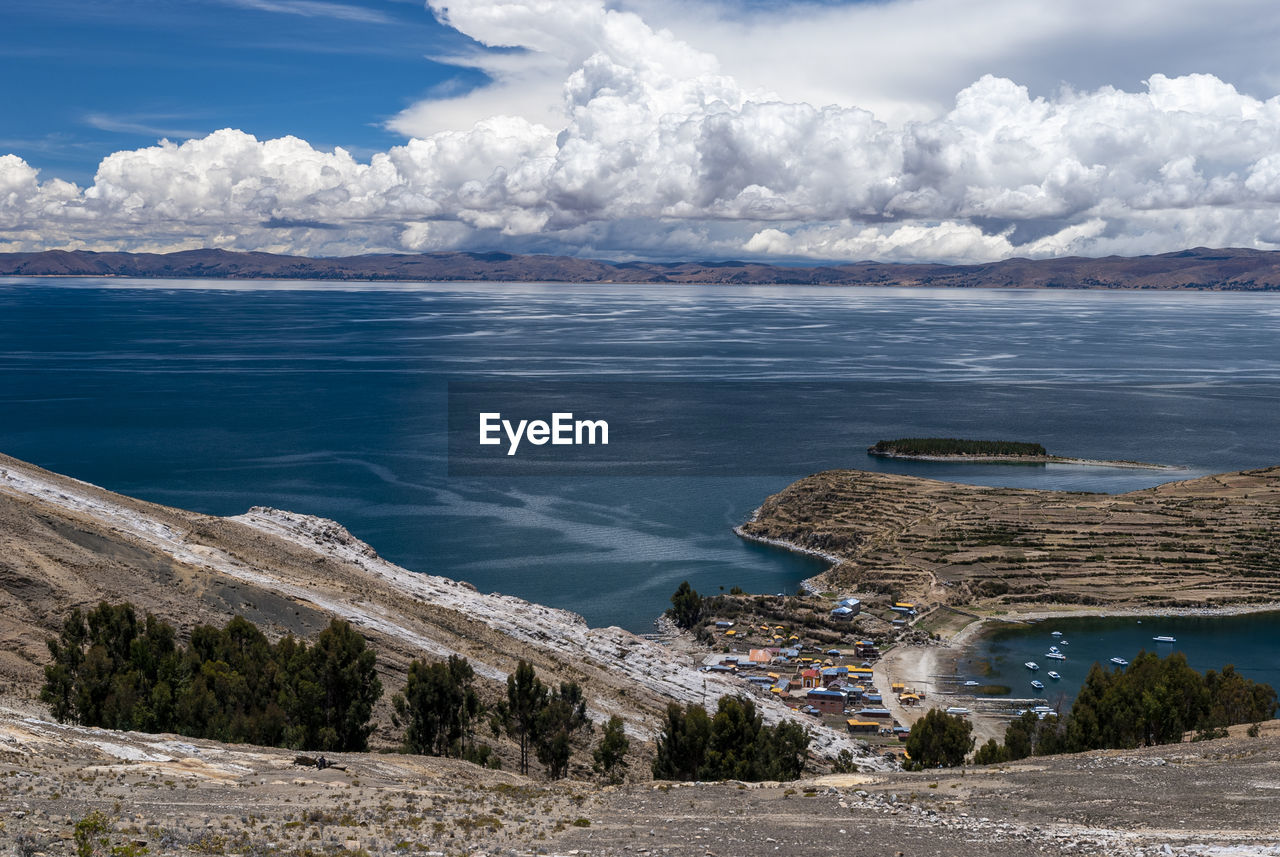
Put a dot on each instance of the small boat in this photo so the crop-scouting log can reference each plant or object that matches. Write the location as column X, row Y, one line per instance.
column 1053, row 675
column 970, row 683
column 1164, row 639
column 1057, row 634
column 1120, row 662
column 1053, row 648
column 1038, row 685
column 1032, row 665
column 1064, row 642
column 1056, row 656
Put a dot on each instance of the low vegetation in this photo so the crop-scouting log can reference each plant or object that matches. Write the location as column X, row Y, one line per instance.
column 955, row 446
column 1153, row 701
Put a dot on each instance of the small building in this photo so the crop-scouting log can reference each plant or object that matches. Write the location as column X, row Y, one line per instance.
column 724, row 624
column 877, row 713
column 856, row 725
column 826, row 701
column 852, row 604
column 843, row 614
column 909, row 698
column 811, row 678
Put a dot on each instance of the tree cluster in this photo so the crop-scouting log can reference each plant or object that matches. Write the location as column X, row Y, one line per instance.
column 939, row 740
column 955, row 446
column 733, row 745
column 438, row 707
column 686, row 606
column 542, row 719
column 111, row 669
column 1153, row 701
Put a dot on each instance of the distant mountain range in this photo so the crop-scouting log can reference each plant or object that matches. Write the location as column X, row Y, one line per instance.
column 1199, row 268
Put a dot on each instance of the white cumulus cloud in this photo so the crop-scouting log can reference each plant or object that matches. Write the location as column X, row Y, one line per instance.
column 654, row 149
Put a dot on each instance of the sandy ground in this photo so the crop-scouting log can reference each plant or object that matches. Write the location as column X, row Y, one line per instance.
column 921, row 667
column 178, row 796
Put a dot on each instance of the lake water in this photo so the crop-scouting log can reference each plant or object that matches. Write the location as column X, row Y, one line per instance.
column 1249, row 642
column 331, row 400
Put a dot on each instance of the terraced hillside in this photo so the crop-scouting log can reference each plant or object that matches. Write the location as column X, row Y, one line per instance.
column 1207, row 542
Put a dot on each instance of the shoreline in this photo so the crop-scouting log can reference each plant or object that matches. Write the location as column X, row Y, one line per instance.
column 917, row 665
column 809, row 584
column 906, row 663
column 1030, row 459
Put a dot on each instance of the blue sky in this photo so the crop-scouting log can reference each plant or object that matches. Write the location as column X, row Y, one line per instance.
column 899, row 130
column 99, row 76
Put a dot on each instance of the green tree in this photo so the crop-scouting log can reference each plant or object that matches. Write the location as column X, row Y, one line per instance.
column 610, row 755
column 735, row 744
column 686, row 606
column 346, row 671
column 563, row 713
column 437, row 706
column 940, row 739
column 63, row 675
column 526, row 697
column 682, row 743
column 991, row 753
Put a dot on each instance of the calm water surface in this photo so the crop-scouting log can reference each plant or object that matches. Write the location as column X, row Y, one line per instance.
column 1251, row 643
column 330, row 400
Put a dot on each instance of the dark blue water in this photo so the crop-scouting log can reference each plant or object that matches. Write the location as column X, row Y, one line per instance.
column 330, row 400
column 1250, row 643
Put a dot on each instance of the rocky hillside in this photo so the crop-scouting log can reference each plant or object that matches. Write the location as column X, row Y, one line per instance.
column 65, row 543
column 1200, row 268
column 1208, row 542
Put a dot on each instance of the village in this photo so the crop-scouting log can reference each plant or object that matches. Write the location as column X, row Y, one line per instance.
column 822, row 659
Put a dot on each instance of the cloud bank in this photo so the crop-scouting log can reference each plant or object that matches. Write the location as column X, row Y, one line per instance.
column 658, row 152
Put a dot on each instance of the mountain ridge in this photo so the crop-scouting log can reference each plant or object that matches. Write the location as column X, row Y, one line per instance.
column 1199, row 268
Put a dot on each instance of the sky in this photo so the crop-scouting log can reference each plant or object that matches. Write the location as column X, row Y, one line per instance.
column 794, row 132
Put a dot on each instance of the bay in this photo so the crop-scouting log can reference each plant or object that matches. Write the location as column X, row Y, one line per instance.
column 1248, row 642
column 330, row 399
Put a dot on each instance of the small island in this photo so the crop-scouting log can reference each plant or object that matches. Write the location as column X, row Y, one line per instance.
column 988, row 452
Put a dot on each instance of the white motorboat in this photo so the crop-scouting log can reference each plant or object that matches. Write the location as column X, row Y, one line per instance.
column 1038, row 685
column 1032, row 665
column 1053, row 675
column 1120, row 662
column 1164, row 639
